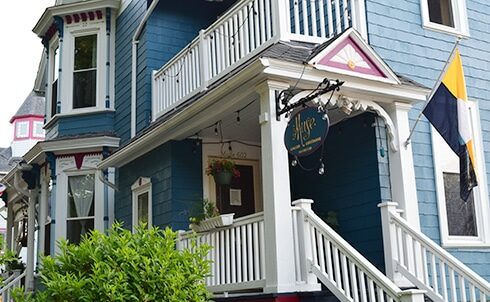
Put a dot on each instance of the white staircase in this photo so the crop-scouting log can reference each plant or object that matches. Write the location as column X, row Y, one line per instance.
column 11, row 282
column 320, row 254
column 426, row 265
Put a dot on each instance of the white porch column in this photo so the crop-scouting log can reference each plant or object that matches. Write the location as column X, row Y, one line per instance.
column 43, row 208
column 10, row 225
column 31, row 224
column 402, row 171
column 279, row 252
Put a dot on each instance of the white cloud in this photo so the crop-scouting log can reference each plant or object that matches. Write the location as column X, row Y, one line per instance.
column 19, row 57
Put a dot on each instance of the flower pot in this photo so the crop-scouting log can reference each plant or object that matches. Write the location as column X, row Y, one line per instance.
column 223, row 178
column 213, row 223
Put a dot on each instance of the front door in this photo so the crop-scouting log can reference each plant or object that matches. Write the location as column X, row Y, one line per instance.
column 239, row 196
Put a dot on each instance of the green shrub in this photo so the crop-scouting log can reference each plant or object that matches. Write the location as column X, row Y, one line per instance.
column 122, row 266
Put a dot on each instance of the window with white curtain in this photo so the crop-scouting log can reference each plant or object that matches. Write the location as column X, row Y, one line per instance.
column 80, row 211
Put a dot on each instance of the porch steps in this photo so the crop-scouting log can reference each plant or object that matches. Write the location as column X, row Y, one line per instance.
column 321, row 296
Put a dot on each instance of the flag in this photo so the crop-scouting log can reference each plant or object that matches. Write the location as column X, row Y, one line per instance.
column 447, row 110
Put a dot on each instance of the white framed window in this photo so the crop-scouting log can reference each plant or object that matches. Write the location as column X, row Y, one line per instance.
column 81, row 206
column 54, row 64
column 462, row 224
column 22, row 129
column 448, row 16
column 142, row 202
column 37, row 129
column 85, row 71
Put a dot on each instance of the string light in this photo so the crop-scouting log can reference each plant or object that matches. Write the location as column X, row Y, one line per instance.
column 229, row 147
column 216, row 129
column 238, row 117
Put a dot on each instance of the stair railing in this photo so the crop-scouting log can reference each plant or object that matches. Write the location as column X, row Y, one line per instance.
column 325, row 255
column 13, row 281
column 411, row 254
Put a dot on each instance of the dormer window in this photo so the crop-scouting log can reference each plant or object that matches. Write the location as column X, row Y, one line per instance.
column 22, row 129
column 85, row 72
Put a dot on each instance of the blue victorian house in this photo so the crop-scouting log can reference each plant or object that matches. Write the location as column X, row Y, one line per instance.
column 148, row 100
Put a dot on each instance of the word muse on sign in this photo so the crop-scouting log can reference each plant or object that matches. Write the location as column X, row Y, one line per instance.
column 306, row 132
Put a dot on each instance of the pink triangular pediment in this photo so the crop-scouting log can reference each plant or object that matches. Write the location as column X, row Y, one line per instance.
column 350, row 54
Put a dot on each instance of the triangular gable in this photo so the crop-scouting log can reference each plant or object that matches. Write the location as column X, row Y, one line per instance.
column 350, row 54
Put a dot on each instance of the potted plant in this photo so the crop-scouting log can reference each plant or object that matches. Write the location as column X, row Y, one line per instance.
column 223, row 171
column 209, row 218
column 12, row 262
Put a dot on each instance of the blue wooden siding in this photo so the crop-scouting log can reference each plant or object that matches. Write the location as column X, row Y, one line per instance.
column 170, row 27
column 100, row 122
column 126, row 25
column 175, row 169
column 396, row 33
column 350, row 186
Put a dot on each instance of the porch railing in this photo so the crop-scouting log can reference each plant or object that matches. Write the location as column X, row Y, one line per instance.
column 427, row 265
column 237, row 255
column 13, row 281
column 246, row 29
column 344, row 271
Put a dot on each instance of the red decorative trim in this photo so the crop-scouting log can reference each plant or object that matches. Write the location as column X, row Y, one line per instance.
column 68, row 19
column 73, row 154
column 26, row 116
column 76, row 17
column 91, row 16
column 99, row 14
column 84, row 16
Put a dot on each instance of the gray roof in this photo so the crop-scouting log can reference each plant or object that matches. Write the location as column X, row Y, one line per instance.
column 6, row 161
column 33, row 105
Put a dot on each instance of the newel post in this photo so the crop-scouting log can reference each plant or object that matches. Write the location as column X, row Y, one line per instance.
column 281, row 19
column 412, row 295
column 389, row 237
column 305, row 248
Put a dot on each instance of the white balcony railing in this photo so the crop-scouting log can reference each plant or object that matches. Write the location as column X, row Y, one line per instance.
column 246, row 29
column 237, row 256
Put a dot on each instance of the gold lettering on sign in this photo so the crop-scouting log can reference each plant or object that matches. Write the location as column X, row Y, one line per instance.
column 236, row 155
column 302, row 129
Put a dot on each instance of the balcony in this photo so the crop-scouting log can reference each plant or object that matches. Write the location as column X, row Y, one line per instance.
column 243, row 31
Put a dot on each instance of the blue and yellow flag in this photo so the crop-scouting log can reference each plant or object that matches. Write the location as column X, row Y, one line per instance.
column 447, row 110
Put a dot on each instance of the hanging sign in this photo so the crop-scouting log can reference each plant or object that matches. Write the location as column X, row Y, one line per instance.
column 306, row 132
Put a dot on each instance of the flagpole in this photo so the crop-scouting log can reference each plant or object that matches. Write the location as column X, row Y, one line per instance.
column 451, row 55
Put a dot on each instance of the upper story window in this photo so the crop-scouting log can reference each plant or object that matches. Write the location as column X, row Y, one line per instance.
column 55, row 63
column 22, row 129
column 85, row 72
column 37, row 129
column 463, row 224
column 447, row 16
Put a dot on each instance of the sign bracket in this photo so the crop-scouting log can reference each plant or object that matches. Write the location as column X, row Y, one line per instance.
column 282, row 99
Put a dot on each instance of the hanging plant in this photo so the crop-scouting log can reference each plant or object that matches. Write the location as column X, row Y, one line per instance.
column 223, row 171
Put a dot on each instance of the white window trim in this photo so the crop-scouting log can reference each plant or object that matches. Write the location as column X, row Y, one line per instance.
column 480, row 192
column 141, row 186
column 460, row 19
column 79, row 30
column 53, row 45
column 66, row 167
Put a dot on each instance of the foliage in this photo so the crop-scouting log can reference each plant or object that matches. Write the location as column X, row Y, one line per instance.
column 11, row 261
column 122, row 266
column 208, row 210
column 217, row 166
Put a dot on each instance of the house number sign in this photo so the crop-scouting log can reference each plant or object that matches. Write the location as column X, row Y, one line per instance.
column 306, row 132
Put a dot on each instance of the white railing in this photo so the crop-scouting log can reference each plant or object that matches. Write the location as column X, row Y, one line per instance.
column 247, row 28
column 343, row 270
column 13, row 281
column 237, row 256
column 427, row 265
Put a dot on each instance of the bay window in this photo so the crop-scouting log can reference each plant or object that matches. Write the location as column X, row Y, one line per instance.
column 85, row 72
column 81, row 199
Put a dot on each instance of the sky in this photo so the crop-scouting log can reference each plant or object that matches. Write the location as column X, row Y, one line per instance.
column 19, row 57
